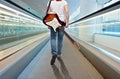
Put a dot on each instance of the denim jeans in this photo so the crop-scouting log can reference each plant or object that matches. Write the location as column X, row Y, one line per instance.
column 56, row 41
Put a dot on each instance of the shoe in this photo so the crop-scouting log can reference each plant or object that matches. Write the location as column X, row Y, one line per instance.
column 53, row 59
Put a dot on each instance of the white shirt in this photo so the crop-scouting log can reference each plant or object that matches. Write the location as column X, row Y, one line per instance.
column 58, row 7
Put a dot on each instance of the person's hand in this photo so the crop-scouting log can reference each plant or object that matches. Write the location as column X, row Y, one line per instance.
column 48, row 27
column 66, row 26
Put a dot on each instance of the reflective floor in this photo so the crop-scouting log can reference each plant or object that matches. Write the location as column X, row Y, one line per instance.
column 73, row 65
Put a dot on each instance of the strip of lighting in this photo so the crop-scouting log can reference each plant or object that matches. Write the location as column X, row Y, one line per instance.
column 8, row 8
column 98, row 16
column 116, row 58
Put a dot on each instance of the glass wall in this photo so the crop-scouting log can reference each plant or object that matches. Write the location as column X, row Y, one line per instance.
column 108, row 23
column 15, row 24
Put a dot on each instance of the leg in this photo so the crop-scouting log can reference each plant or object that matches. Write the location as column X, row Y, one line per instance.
column 53, row 41
column 53, row 46
column 60, row 41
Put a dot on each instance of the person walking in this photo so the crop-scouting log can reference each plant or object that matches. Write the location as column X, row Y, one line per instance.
column 60, row 7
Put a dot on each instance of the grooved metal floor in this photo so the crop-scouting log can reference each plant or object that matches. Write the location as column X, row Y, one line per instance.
column 72, row 66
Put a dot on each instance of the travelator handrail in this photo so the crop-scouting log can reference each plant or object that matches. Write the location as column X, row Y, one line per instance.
column 109, row 8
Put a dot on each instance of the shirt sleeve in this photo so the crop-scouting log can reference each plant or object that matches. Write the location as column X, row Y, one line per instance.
column 65, row 2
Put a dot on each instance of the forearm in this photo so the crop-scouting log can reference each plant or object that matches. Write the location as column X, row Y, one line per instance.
column 67, row 15
column 67, row 19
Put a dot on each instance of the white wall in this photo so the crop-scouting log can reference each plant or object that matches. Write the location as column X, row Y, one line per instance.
column 87, row 7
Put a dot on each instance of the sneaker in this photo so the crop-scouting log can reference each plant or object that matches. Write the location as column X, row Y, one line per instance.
column 53, row 59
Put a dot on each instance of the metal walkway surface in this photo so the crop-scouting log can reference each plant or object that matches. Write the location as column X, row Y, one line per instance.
column 72, row 66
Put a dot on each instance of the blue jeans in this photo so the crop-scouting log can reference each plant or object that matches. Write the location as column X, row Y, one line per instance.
column 56, row 45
